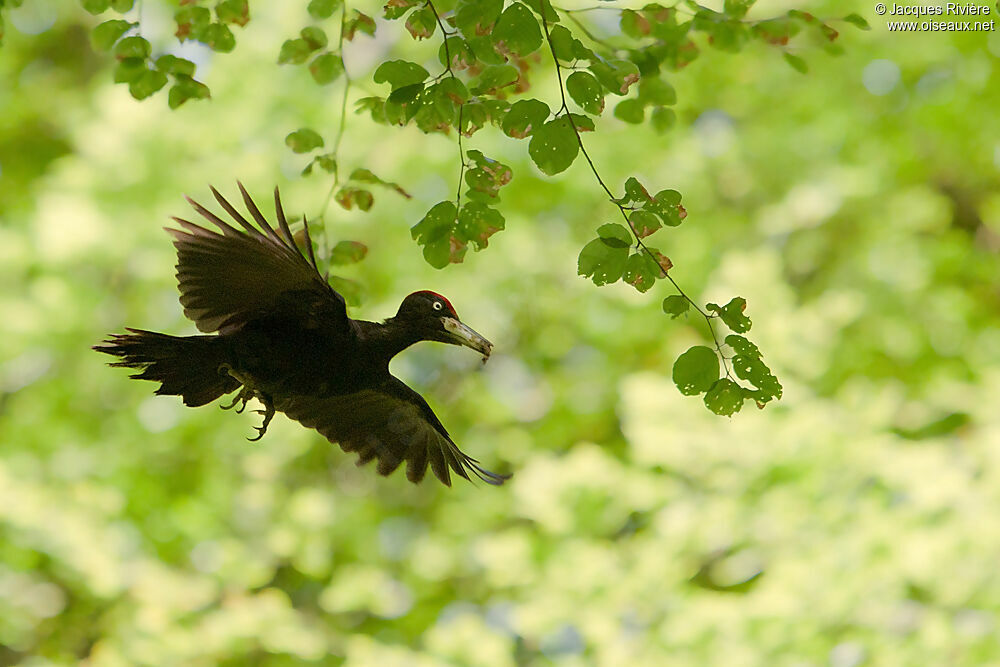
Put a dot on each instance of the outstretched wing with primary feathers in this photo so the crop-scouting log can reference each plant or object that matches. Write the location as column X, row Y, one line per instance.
column 391, row 423
column 231, row 276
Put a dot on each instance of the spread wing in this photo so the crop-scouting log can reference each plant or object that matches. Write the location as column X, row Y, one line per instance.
column 390, row 423
column 231, row 276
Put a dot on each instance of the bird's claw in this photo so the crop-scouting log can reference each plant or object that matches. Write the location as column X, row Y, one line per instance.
column 268, row 413
column 246, row 393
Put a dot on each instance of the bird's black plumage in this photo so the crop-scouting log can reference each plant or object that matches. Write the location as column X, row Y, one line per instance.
column 281, row 334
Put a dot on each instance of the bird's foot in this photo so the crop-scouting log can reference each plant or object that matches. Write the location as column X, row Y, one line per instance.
column 246, row 393
column 268, row 413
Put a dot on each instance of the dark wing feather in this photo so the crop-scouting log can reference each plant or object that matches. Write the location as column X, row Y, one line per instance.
column 231, row 276
column 390, row 423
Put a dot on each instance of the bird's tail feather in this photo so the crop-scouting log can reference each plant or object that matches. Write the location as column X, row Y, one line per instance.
column 186, row 366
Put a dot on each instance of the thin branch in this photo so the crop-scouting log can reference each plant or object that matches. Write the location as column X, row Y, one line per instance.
column 565, row 112
column 342, row 126
column 461, row 107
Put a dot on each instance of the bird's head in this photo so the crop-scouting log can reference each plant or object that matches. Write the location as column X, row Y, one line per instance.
column 434, row 318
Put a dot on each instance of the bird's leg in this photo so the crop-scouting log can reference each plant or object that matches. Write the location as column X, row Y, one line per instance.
column 268, row 413
column 247, row 392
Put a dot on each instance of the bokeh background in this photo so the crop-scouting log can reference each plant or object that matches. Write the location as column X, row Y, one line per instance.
column 856, row 522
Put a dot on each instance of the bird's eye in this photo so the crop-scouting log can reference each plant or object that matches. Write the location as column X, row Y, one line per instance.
column 437, row 305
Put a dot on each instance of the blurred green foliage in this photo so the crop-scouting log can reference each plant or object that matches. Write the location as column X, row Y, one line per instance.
column 855, row 206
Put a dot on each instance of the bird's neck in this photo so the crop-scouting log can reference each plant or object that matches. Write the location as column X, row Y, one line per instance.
column 391, row 337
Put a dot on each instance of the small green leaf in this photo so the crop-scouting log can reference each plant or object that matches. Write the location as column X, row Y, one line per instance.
column 487, row 176
column 322, row 9
column 859, row 21
column 475, row 18
column 314, row 37
column 554, row 146
column 567, row 47
column 95, row 6
column 654, row 90
column 617, row 76
column 191, row 22
column 635, row 25
column 348, row 252
column 422, row 23
column 732, row 314
column 540, row 6
column 122, row 6
column 351, row 197
column 615, row 235
column 185, row 88
column 106, row 34
column 586, row 91
column 644, row 223
column 742, row 346
column 327, row 162
column 304, row 140
column 458, row 50
column 170, row 64
column 662, row 119
column 358, row 22
column 516, row 31
column 400, row 73
column 233, row 11
column 434, row 233
column 146, row 84
column 326, row 68
column 798, row 64
column 493, row 78
column 696, row 370
column 630, row 111
column 641, row 271
column 524, row 116
column 602, row 262
column 477, row 222
column 129, row 69
column 366, row 176
column 675, row 305
column 218, row 37
column 755, row 371
column 725, row 398
column 132, row 47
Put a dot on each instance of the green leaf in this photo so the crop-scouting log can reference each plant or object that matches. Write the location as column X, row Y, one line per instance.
column 540, row 6
column 129, row 70
column 185, row 88
column 725, row 398
column 475, row 18
column 191, row 21
column 122, row 6
column 132, row 47
column 644, row 223
column 662, row 119
column 218, row 37
column 617, row 76
column 635, row 25
column 400, row 73
column 434, row 233
column 516, row 31
column 732, row 314
column 477, row 222
column 857, row 20
column 348, row 252
column 366, row 176
column 458, row 49
column 327, row 162
column 349, row 289
column 754, row 370
column 326, row 68
column 524, row 116
column 630, row 111
column 602, row 261
column 233, row 11
column 567, row 47
column 106, row 34
column 170, row 64
column 654, row 90
column 314, row 37
column 641, row 271
column 358, row 22
column 554, row 146
column 351, row 197
column 696, row 370
column 615, row 235
column 798, row 64
column 493, row 78
column 586, row 91
column 742, row 346
column 95, row 6
column 422, row 23
column 487, row 177
column 304, row 140
column 322, row 9
column 397, row 8
column 403, row 103
column 675, row 305
column 146, row 84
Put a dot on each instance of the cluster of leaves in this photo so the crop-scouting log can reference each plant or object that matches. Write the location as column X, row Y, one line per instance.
column 144, row 74
column 489, row 51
